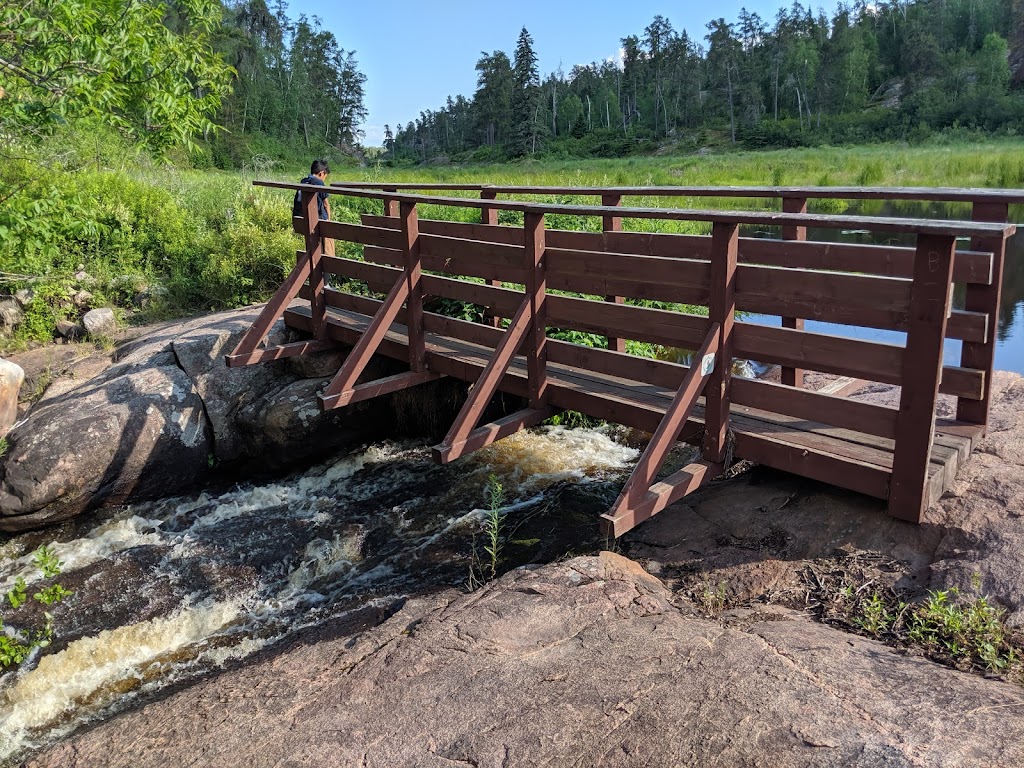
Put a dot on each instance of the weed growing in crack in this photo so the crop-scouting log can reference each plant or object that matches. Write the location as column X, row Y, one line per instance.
column 484, row 569
column 967, row 631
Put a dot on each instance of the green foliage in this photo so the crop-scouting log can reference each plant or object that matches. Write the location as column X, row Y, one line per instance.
column 482, row 570
column 492, row 523
column 948, row 625
column 864, row 73
column 16, row 645
column 123, row 62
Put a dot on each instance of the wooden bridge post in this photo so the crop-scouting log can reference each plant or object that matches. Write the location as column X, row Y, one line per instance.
column 413, row 271
column 613, row 224
column 793, row 377
column 390, row 206
column 314, row 249
column 721, row 310
column 489, row 216
column 536, row 289
column 984, row 298
column 922, row 370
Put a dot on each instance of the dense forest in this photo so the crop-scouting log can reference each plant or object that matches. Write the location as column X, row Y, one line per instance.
column 884, row 70
column 292, row 86
column 224, row 79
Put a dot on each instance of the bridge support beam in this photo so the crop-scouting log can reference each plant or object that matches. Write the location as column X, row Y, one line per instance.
column 309, row 266
column 638, row 500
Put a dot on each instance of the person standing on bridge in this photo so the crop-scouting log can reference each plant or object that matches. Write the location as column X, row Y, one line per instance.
column 318, row 173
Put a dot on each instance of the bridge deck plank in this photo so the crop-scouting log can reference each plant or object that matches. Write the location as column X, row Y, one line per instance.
column 842, row 457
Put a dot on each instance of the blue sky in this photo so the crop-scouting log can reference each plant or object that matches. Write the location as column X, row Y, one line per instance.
column 415, row 54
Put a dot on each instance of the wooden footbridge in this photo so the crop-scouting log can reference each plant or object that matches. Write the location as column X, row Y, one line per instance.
column 609, row 282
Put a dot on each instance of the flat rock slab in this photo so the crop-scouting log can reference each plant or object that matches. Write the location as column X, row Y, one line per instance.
column 586, row 662
column 754, row 536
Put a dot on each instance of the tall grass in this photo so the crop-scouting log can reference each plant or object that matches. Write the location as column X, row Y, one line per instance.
column 213, row 241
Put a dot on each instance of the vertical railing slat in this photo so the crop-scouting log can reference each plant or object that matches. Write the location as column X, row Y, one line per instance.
column 413, row 270
column 611, row 223
column 793, row 377
column 390, row 206
column 721, row 310
column 922, row 371
column 489, row 216
column 314, row 247
column 536, row 289
column 984, row 298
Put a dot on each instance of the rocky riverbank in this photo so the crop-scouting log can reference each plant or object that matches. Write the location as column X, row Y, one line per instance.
column 324, row 619
column 162, row 415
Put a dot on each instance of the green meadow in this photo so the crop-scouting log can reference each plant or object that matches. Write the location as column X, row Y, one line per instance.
column 206, row 240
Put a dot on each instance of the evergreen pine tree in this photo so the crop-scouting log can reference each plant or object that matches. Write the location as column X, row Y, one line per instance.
column 525, row 98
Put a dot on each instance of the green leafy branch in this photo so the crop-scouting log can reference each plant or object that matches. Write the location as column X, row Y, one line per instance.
column 16, row 645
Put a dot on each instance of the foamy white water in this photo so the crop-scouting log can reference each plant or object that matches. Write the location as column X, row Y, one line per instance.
column 229, row 573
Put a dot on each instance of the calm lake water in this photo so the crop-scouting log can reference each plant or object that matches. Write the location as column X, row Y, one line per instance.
column 1010, row 334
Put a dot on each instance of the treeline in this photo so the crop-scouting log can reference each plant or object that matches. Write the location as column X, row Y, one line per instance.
column 293, row 87
column 891, row 69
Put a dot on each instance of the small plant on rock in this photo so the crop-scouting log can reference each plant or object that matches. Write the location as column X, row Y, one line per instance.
column 16, row 645
column 482, row 570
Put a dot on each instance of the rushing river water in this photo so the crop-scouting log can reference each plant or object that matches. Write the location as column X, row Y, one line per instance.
column 168, row 590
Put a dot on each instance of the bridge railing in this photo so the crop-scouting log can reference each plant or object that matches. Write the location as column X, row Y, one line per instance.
column 987, row 205
column 906, row 289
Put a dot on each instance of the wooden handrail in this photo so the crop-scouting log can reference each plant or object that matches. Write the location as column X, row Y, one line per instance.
column 875, row 223
column 923, row 194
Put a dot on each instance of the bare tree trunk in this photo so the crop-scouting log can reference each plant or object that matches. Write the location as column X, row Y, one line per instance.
column 554, row 109
column 776, row 88
column 732, row 111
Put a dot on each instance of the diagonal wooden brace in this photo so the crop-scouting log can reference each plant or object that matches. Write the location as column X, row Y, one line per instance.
column 294, row 349
column 363, row 351
column 457, row 442
column 247, row 350
column 638, row 500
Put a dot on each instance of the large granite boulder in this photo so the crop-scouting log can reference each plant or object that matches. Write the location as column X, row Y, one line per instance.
column 168, row 416
column 589, row 661
column 11, row 378
column 135, row 431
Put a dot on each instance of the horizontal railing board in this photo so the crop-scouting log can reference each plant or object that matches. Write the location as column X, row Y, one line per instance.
column 494, row 233
column 884, row 260
column 615, row 405
column 467, row 262
column 873, row 361
column 864, row 300
column 656, row 326
column 869, row 418
column 651, row 273
column 818, row 302
column 769, row 219
column 879, row 302
column 385, row 237
column 839, row 355
column 924, row 194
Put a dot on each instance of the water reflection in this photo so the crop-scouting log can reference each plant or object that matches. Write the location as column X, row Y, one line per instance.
column 1010, row 331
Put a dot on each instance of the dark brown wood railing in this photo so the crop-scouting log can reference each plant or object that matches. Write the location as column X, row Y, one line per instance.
column 988, row 205
column 894, row 454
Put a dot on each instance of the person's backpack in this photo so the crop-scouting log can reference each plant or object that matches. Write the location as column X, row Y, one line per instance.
column 297, row 201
